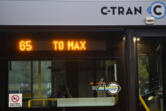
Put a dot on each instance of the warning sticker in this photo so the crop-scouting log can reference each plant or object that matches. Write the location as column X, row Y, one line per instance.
column 114, row 88
column 15, row 100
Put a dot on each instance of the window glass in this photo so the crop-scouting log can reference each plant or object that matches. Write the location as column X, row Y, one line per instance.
column 23, row 78
column 71, row 79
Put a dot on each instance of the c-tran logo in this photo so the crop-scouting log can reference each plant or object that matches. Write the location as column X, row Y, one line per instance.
column 157, row 10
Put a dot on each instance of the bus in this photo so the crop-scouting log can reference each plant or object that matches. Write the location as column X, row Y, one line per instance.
column 83, row 55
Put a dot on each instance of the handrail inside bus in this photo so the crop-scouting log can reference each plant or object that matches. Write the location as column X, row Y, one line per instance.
column 52, row 99
column 143, row 103
column 41, row 99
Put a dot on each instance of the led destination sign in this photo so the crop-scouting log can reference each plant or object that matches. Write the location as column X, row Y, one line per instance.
column 69, row 45
column 26, row 45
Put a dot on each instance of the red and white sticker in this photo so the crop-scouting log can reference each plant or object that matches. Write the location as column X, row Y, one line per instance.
column 15, row 100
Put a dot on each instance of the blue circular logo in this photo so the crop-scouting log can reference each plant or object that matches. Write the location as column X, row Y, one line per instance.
column 157, row 10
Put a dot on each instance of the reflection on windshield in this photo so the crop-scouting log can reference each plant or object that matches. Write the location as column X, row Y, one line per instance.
column 72, row 82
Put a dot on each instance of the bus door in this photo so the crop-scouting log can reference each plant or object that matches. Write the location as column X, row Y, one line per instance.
column 151, row 68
